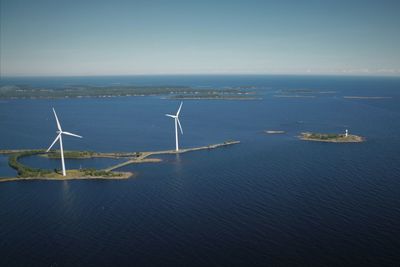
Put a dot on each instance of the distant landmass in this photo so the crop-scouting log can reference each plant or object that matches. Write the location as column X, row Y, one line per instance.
column 302, row 93
column 367, row 97
column 170, row 92
column 216, row 96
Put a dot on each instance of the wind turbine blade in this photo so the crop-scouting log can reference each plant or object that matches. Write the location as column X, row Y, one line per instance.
column 179, row 110
column 55, row 140
column 179, row 123
column 169, row 115
column 58, row 123
column 71, row 134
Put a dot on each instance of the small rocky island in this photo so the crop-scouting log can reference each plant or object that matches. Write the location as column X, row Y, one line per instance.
column 331, row 137
column 274, row 131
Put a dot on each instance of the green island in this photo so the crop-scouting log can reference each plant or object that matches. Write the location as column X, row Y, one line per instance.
column 29, row 173
column 80, row 91
column 331, row 137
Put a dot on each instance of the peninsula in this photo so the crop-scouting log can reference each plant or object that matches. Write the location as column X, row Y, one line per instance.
column 109, row 173
column 331, row 137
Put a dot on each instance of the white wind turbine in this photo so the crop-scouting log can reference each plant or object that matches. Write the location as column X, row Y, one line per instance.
column 60, row 132
column 177, row 122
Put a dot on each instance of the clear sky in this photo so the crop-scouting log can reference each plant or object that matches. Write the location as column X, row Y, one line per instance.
column 85, row 37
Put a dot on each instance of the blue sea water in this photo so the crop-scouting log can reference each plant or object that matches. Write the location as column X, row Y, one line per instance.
column 272, row 200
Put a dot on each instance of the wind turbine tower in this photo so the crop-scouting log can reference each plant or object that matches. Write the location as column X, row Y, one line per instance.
column 177, row 122
column 60, row 132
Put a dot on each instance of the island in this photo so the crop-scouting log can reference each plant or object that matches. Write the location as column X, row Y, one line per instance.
column 302, row 93
column 109, row 173
column 331, row 137
column 274, row 131
column 367, row 97
column 166, row 91
column 215, row 97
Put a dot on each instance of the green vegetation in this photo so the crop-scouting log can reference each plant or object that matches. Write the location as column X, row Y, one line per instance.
column 100, row 173
column 25, row 171
column 77, row 91
column 28, row 172
column 69, row 154
column 325, row 136
column 331, row 137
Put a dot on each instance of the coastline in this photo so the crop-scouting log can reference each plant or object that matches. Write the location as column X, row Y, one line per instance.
column 336, row 138
column 91, row 174
column 124, row 176
column 216, row 98
column 367, row 97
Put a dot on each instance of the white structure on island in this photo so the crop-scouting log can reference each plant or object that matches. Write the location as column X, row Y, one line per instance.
column 346, row 133
column 177, row 122
column 60, row 132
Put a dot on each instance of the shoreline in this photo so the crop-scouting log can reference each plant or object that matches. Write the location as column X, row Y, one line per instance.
column 124, row 176
column 367, row 97
column 331, row 138
column 85, row 174
column 216, row 98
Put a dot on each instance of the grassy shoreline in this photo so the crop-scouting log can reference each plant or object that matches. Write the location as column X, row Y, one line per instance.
column 124, row 176
column 29, row 173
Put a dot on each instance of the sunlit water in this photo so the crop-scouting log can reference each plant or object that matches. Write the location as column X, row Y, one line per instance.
column 271, row 200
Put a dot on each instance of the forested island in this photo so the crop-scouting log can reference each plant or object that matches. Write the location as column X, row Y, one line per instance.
column 331, row 137
column 169, row 92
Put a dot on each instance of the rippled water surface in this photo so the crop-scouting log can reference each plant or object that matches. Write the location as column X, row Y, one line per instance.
column 271, row 200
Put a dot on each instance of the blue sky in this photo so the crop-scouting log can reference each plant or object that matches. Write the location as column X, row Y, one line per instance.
column 45, row 38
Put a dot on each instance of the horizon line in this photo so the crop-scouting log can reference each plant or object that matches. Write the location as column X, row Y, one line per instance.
column 394, row 75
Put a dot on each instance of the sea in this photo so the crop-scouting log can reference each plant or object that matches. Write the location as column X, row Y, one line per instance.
column 272, row 200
